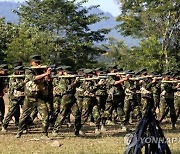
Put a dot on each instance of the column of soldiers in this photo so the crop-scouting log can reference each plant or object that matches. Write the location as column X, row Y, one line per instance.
column 89, row 95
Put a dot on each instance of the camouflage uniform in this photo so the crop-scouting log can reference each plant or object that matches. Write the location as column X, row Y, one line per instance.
column 115, row 100
column 16, row 98
column 131, row 106
column 2, row 105
column 167, row 102
column 77, row 107
column 156, row 90
column 36, row 92
column 146, row 95
column 67, row 89
column 177, row 102
column 57, row 96
column 99, row 106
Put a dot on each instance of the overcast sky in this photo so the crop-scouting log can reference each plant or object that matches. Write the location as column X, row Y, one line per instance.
column 105, row 5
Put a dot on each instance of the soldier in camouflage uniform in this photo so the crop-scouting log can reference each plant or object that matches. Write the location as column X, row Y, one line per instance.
column 115, row 99
column 57, row 92
column 16, row 97
column 167, row 100
column 99, row 106
column 3, row 72
column 131, row 106
column 146, row 91
column 67, row 88
column 36, row 91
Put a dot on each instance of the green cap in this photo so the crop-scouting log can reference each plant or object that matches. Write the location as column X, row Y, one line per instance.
column 35, row 58
column 3, row 67
column 88, row 71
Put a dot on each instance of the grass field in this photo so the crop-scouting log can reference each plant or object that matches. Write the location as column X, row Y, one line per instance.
column 111, row 142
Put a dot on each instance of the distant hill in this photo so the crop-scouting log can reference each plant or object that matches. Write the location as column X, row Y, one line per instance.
column 7, row 7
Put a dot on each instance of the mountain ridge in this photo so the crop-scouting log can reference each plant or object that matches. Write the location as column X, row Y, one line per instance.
column 6, row 8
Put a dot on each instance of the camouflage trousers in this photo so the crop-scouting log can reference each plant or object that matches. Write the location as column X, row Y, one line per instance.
column 145, row 101
column 13, row 110
column 56, row 107
column 67, row 102
column 177, row 105
column 98, row 109
column 114, row 109
column 2, row 109
column 156, row 99
column 166, row 105
column 29, row 105
column 131, row 108
column 81, row 110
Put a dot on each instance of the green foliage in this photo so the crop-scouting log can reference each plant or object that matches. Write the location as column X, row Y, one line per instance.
column 7, row 32
column 69, row 22
column 156, row 23
column 28, row 41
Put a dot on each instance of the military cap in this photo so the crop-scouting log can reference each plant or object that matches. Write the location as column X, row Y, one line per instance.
column 3, row 67
column 99, row 69
column 18, row 63
column 120, row 69
column 59, row 68
column 35, row 58
column 130, row 72
column 168, row 73
column 67, row 68
column 114, row 66
column 143, row 70
column 88, row 71
column 19, row 68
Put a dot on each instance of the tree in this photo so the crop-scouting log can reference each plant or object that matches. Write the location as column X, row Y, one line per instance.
column 156, row 19
column 7, row 32
column 28, row 41
column 69, row 21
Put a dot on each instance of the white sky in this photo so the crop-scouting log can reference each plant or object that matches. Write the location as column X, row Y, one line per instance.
column 105, row 5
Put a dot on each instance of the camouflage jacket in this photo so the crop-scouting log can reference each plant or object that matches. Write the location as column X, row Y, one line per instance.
column 34, row 88
column 113, row 90
column 63, row 86
column 130, row 89
column 3, row 86
column 89, row 88
column 16, row 88
column 167, row 90
column 100, row 89
column 156, row 88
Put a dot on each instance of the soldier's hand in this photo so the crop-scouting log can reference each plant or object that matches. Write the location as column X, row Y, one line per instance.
column 48, row 72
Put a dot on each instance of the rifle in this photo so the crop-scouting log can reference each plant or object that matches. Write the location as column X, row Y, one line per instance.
column 13, row 76
column 94, row 78
column 171, row 81
column 114, row 74
column 67, row 76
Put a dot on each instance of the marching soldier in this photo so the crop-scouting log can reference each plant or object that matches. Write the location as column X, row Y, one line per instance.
column 67, row 90
column 3, row 72
column 167, row 100
column 115, row 99
column 35, row 92
column 16, row 97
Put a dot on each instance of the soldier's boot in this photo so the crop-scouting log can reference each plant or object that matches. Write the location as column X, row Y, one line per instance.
column 97, row 131
column 45, row 136
column 54, row 133
column 3, row 130
column 103, row 128
column 16, row 123
column 82, row 133
column 18, row 135
column 173, row 127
